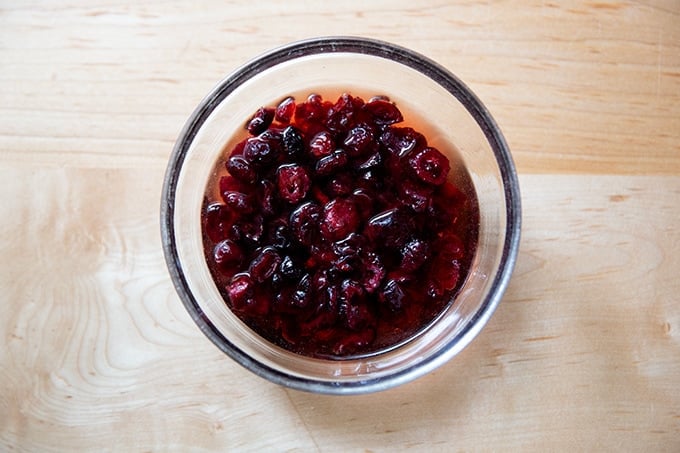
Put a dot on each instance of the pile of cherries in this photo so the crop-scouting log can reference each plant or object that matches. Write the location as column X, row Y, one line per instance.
column 338, row 232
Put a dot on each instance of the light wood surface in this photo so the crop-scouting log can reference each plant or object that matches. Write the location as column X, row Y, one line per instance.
column 97, row 353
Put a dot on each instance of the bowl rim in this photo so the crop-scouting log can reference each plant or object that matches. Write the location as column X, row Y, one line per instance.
column 376, row 48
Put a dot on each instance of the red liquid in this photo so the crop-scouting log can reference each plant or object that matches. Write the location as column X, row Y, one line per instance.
column 337, row 230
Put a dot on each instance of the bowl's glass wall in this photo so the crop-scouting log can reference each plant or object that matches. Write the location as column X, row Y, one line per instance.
column 449, row 125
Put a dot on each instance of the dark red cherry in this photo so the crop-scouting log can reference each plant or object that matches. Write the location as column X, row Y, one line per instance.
column 240, row 291
column 304, row 223
column 321, row 145
column 311, row 110
column 241, row 169
column 414, row 254
column 285, row 110
column 293, row 182
column 261, row 120
column 263, row 266
column 384, row 112
column 360, row 139
column 391, row 227
column 400, row 141
column 218, row 221
column 392, row 296
column 260, row 151
column 430, row 166
column 227, row 254
column 238, row 201
column 332, row 163
column 415, row 195
column 292, row 141
column 339, row 219
column 373, row 272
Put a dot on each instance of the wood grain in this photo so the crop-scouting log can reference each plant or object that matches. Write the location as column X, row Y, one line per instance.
column 97, row 352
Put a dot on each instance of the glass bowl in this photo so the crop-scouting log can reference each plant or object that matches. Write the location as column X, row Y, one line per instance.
column 452, row 114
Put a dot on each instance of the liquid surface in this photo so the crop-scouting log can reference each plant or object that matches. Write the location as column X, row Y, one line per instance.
column 332, row 229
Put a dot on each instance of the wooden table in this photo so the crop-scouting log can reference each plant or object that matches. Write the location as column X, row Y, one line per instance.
column 97, row 351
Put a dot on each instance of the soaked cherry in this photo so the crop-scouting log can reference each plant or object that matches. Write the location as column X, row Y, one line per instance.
column 293, row 182
column 338, row 230
column 340, row 218
column 430, row 165
column 261, row 120
column 285, row 110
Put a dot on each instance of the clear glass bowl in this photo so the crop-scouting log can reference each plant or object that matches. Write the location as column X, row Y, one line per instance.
column 418, row 85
